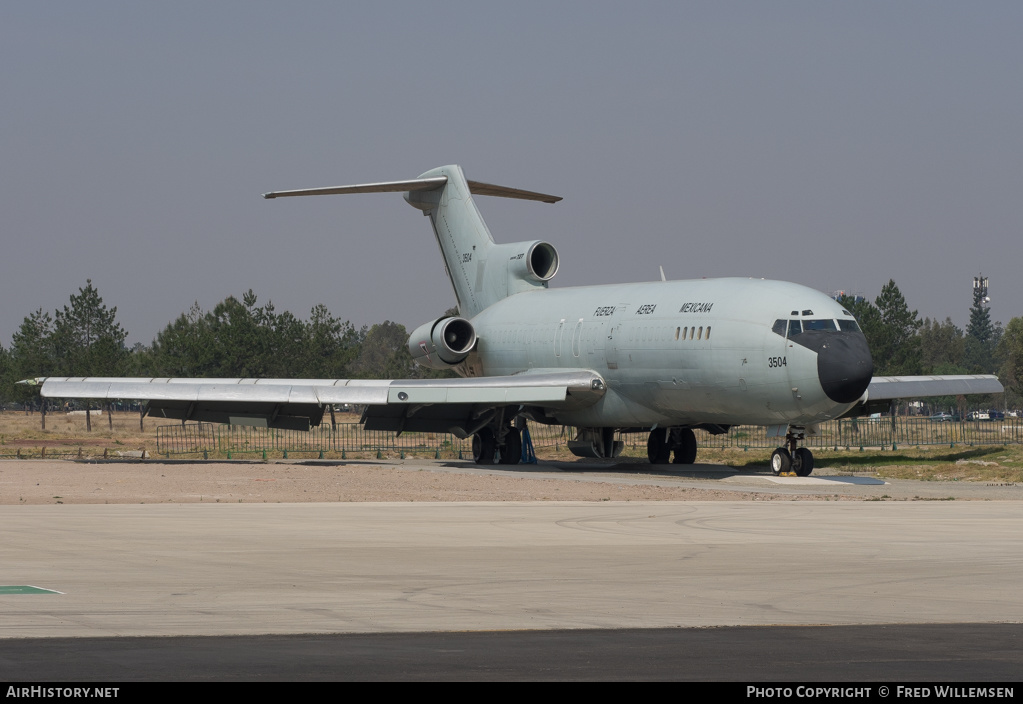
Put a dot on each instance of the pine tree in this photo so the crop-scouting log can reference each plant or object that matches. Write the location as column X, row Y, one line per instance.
column 980, row 333
column 1010, row 351
column 943, row 349
column 32, row 353
column 88, row 340
column 898, row 345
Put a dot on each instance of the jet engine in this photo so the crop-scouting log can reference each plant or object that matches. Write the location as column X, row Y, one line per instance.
column 539, row 263
column 535, row 262
column 442, row 343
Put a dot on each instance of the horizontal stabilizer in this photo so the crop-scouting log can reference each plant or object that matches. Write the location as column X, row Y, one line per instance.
column 489, row 189
column 417, row 184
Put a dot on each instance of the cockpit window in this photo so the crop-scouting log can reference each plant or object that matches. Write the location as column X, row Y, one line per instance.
column 791, row 328
column 820, row 324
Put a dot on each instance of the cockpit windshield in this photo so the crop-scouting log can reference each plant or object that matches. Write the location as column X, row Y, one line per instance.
column 795, row 326
column 820, row 324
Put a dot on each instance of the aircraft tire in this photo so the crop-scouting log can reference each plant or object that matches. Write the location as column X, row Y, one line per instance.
column 802, row 463
column 483, row 446
column 657, row 448
column 511, row 453
column 685, row 452
column 781, row 461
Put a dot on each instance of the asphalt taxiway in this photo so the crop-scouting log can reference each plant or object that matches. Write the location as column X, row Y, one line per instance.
column 249, row 570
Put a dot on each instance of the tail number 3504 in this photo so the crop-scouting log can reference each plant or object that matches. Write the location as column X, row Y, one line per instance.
column 776, row 362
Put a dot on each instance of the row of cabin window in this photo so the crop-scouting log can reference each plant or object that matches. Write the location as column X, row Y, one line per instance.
column 652, row 334
column 692, row 333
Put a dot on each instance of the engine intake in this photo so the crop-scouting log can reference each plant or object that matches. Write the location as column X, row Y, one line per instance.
column 539, row 261
column 442, row 343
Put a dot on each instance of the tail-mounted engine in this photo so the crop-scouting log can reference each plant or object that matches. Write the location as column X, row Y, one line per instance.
column 534, row 262
column 442, row 343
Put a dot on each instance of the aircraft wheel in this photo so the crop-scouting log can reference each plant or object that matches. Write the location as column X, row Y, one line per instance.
column 657, row 449
column 511, row 453
column 685, row 452
column 781, row 461
column 483, row 446
column 802, row 463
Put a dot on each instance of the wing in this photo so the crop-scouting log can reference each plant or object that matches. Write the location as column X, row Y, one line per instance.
column 889, row 387
column 459, row 406
column 884, row 389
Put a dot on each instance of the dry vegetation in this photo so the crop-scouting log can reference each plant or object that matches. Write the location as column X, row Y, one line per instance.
column 66, row 436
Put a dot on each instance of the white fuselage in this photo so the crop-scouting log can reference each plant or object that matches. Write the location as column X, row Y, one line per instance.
column 672, row 353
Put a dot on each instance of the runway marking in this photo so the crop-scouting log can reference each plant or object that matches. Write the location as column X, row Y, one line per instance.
column 26, row 589
column 824, row 481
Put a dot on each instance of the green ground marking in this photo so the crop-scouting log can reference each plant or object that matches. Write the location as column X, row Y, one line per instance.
column 25, row 589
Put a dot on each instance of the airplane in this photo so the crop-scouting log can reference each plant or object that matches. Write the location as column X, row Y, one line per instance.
column 662, row 357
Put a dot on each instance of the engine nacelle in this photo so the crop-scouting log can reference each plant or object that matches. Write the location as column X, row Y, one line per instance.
column 535, row 261
column 442, row 343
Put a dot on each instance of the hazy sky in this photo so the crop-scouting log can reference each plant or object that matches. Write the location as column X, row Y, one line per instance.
column 838, row 145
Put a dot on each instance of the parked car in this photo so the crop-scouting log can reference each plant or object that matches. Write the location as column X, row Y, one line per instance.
column 978, row 415
column 942, row 418
column 995, row 415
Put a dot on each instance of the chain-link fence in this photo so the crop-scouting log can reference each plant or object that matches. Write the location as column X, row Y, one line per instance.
column 353, row 438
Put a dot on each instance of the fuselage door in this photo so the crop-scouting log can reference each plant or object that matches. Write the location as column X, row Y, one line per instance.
column 778, row 353
column 559, row 335
column 614, row 336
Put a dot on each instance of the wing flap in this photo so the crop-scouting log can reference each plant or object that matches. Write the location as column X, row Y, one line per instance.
column 314, row 391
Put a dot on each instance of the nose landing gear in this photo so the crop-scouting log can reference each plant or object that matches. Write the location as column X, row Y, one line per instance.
column 792, row 459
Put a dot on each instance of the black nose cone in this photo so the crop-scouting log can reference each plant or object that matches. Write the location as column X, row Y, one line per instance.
column 844, row 366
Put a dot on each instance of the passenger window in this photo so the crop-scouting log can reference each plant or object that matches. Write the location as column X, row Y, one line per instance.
column 677, row 331
column 708, row 332
column 699, row 335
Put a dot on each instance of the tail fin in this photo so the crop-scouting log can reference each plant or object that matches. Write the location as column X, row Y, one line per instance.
column 445, row 196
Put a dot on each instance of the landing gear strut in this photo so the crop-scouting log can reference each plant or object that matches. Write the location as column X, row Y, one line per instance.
column 663, row 441
column 793, row 458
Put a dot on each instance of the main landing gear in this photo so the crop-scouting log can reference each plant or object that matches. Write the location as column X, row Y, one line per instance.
column 793, row 458
column 487, row 447
column 663, row 441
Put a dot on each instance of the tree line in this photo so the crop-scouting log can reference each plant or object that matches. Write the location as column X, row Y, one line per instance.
column 239, row 338
column 903, row 344
column 234, row 339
